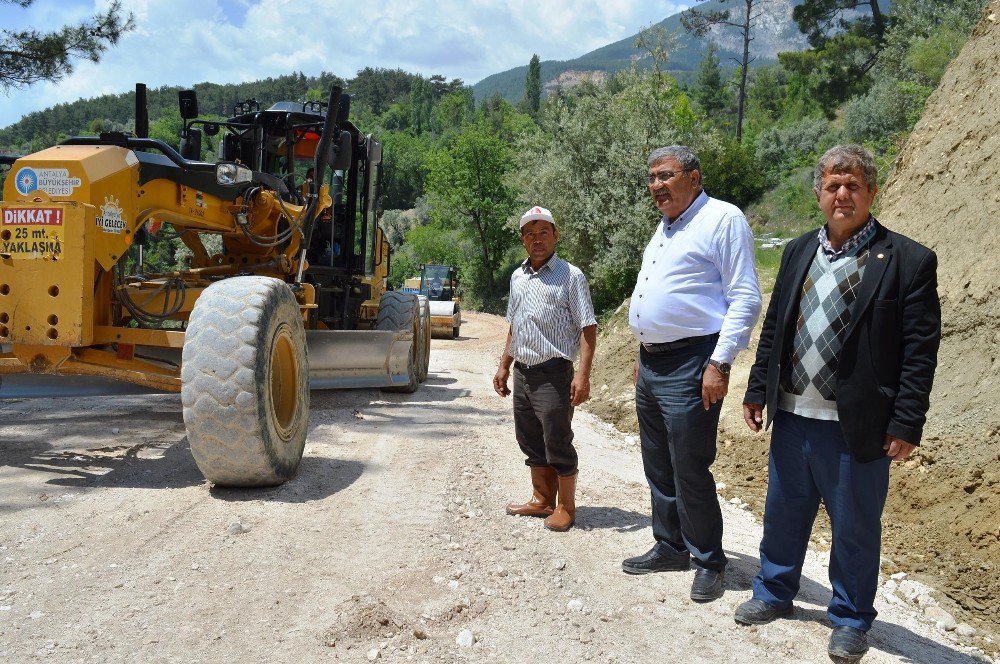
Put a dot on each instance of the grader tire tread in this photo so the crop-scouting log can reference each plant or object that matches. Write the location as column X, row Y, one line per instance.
column 223, row 376
column 396, row 312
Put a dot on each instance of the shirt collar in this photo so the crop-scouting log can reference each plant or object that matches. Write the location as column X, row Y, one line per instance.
column 860, row 237
column 684, row 217
column 549, row 264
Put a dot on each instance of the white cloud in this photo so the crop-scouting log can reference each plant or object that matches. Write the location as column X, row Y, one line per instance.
column 182, row 42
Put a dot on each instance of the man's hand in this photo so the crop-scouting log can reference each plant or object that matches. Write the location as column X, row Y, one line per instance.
column 714, row 386
column 579, row 389
column 500, row 381
column 753, row 415
column 897, row 448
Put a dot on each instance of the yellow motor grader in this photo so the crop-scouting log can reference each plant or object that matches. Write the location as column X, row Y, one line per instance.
column 285, row 290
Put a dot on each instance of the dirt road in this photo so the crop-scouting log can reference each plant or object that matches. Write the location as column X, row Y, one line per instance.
column 390, row 545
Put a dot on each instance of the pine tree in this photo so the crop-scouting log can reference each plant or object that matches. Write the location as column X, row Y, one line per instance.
column 700, row 23
column 533, row 86
column 30, row 56
column 711, row 93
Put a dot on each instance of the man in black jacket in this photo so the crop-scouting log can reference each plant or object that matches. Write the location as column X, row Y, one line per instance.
column 844, row 369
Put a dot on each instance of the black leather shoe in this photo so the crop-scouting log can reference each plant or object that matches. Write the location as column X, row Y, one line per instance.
column 847, row 644
column 759, row 612
column 707, row 585
column 654, row 561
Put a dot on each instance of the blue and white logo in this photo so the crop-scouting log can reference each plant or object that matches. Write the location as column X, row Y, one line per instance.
column 26, row 180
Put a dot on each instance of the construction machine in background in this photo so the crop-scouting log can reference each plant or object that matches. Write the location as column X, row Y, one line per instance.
column 439, row 284
column 285, row 289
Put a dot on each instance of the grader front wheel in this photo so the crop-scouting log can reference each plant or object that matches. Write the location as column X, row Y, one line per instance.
column 400, row 312
column 245, row 382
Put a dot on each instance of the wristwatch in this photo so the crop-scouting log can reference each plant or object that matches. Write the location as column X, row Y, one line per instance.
column 723, row 367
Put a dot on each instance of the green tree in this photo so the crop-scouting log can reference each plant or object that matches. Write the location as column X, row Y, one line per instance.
column 588, row 166
column 421, row 102
column 533, row 86
column 374, row 89
column 710, row 90
column 701, row 23
column 924, row 36
column 167, row 128
column 820, row 20
column 404, row 168
column 730, row 171
column 467, row 183
column 30, row 56
column 454, row 109
column 832, row 73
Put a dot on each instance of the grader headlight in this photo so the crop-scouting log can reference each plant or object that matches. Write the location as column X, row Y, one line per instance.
column 229, row 173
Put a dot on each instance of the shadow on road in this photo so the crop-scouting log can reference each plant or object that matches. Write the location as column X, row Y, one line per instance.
column 885, row 636
column 592, row 517
column 121, row 466
column 896, row 640
column 318, row 478
column 109, row 466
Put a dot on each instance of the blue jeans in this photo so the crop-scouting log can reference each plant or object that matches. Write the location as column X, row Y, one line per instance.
column 678, row 448
column 809, row 461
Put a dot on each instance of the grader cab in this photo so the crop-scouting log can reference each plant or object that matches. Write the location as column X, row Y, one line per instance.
column 284, row 291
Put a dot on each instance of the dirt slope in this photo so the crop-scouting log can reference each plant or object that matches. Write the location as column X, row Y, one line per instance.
column 942, row 520
column 945, row 193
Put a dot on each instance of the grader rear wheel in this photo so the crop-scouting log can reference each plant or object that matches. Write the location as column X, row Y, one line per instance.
column 245, row 382
column 401, row 312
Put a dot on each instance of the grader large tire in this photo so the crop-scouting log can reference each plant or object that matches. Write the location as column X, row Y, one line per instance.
column 401, row 312
column 423, row 366
column 245, row 382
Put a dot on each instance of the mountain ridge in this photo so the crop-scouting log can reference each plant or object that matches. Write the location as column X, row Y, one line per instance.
column 774, row 32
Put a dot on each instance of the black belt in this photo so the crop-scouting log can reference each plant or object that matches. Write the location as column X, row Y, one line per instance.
column 541, row 365
column 680, row 343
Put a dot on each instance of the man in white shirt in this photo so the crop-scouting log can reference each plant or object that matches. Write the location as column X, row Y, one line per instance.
column 695, row 303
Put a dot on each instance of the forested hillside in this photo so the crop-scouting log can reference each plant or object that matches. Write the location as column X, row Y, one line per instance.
column 458, row 173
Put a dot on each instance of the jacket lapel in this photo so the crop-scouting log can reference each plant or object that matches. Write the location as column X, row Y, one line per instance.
column 879, row 256
column 798, row 267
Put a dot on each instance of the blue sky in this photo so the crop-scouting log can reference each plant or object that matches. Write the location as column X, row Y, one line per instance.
column 183, row 42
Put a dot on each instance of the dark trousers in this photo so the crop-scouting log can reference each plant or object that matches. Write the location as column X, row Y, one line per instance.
column 809, row 461
column 678, row 448
column 543, row 416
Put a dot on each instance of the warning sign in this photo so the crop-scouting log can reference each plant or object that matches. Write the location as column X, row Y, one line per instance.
column 34, row 232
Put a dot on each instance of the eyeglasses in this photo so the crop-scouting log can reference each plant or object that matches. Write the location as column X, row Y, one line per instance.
column 664, row 176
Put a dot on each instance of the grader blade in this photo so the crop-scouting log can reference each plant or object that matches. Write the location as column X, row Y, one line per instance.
column 347, row 359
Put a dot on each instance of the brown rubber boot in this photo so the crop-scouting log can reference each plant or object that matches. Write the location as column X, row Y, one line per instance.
column 544, row 482
column 565, row 513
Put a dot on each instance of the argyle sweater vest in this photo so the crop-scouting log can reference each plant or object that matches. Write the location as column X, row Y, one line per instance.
column 809, row 377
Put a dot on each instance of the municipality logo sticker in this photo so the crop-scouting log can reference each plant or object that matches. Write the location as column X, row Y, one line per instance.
column 26, row 181
column 53, row 181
